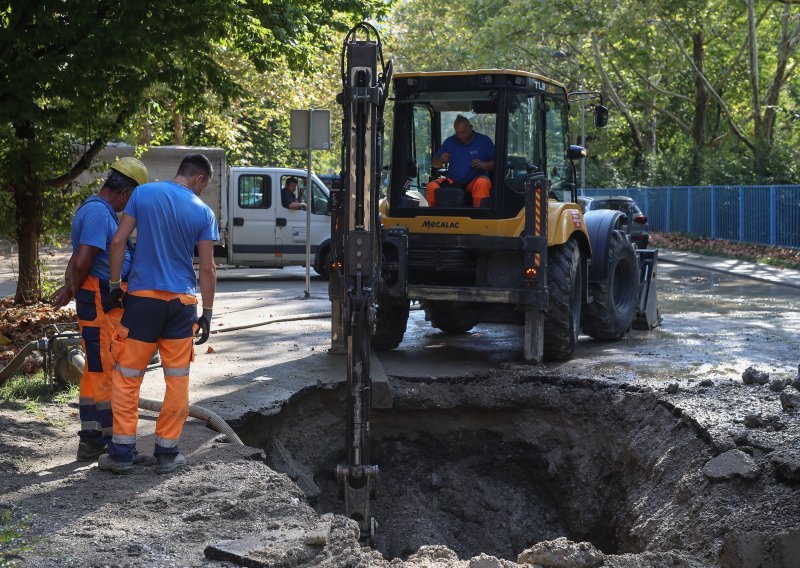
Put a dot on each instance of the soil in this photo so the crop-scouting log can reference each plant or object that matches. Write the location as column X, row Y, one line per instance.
column 19, row 325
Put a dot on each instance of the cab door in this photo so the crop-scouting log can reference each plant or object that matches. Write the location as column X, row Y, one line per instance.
column 253, row 219
column 290, row 227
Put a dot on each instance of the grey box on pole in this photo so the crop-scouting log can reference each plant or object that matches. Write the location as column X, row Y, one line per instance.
column 320, row 129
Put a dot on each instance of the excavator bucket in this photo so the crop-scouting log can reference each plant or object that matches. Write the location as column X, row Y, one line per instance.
column 647, row 313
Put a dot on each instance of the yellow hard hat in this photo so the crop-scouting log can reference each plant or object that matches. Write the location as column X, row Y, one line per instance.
column 132, row 168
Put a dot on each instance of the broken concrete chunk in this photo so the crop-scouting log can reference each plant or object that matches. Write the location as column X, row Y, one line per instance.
column 753, row 376
column 562, row 553
column 790, row 399
column 777, row 385
column 672, row 388
column 483, row 560
column 787, row 464
column 733, row 463
column 706, row 383
column 753, row 421
column 433, row 553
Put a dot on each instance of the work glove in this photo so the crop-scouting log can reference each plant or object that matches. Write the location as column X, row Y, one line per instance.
column 203, row 326
column 115, row 295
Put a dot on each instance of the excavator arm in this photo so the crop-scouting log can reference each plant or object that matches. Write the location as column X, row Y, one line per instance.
column 357, row 255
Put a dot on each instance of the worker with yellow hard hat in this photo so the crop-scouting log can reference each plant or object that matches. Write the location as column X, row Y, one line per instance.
column 86, row 280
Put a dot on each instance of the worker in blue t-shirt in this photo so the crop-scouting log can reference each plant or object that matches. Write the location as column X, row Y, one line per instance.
column 86, row 280
column 470, row 157
column 160, row 306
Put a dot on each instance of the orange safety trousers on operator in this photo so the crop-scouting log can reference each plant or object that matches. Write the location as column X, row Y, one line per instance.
column 96, row 327
column 165, row 319
column 479, row 188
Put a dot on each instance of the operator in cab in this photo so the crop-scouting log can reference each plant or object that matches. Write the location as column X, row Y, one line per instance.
column 470, row 158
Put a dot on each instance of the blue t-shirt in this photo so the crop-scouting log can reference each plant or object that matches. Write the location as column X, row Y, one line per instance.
column 170, row 220
column 95, row 224
column 461, row 156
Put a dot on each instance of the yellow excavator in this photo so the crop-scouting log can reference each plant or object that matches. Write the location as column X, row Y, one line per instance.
column 526, row 254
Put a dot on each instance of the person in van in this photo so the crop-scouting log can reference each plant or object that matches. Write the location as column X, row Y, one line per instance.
column 289, row 195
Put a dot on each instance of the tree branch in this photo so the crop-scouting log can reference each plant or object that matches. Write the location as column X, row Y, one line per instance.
column 614, row 96
column 723, row 106
column 86, row 160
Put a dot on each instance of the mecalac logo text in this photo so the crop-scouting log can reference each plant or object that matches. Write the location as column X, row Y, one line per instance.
column 428, row 224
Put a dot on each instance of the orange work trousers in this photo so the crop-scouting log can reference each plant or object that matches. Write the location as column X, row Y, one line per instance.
column 96, row 326
column 153, row 318
column 480, row 188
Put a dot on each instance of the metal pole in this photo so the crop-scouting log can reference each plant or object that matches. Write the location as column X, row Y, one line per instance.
column 583, row 135
column 309, row 202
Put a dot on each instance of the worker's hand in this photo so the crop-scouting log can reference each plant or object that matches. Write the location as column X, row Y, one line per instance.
column 203, row 326
column 62, row 297
column 115, row 295
column 445, row 157
column 477, row 164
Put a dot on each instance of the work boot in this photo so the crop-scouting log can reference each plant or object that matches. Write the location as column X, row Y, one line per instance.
column 107, row 463
column 170, row 462
column 89, row 452
column 141, row 460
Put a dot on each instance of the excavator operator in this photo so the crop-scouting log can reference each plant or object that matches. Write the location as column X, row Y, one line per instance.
column 470, row 156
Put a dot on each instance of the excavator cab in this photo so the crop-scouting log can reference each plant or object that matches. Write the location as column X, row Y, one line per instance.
column 523, row 114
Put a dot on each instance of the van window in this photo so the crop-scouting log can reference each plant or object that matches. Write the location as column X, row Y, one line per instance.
column 255, row 192
column 319, row 205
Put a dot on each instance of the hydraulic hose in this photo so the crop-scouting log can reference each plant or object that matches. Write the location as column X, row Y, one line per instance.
column 77, row 360
column 200, row 413
column 13, row 366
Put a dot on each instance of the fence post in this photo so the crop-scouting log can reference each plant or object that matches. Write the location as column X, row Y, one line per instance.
column 713, row 212
column 689, row 210
column 773, row 229
column 668, row 209
column 741, row 213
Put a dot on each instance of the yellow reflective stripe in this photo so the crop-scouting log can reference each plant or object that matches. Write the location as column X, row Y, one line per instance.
column 104, row 405
column 123, row 439
column 86, row 400
column 90, row 425
column 166, row 442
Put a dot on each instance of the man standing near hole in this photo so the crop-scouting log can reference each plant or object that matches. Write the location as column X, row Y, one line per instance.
column 86, row 279
column 161, row 306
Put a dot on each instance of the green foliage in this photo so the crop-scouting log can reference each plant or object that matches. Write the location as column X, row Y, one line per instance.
column 13, row 535
column 663, row 130
column 28, row 391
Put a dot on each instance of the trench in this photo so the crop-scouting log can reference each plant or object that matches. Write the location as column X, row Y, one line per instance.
column 483, row 465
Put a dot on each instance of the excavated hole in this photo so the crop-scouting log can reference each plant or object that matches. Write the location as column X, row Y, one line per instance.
column 496, row 468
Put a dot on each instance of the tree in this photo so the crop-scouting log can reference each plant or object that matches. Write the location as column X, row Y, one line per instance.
column 74, row 74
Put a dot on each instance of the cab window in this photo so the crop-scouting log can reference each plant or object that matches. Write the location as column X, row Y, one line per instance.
column 558, row 167
column 319, row 205
column 255, row 192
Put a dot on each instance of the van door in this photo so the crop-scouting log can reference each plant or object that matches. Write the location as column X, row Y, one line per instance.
column 253, row 219
column 290, row 229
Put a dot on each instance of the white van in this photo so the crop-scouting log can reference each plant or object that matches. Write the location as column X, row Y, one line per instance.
column 256, row 229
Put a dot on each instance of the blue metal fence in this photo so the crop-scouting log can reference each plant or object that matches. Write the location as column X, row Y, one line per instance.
column 765, row 214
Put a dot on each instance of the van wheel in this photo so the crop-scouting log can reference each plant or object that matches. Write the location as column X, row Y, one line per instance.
column 451, row 317
column 611, row 313
column 563, row 317
column 391, row 319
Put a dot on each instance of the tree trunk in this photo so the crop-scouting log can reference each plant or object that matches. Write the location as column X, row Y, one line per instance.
column 699, row 124
column 29, row 231
column 177, row 119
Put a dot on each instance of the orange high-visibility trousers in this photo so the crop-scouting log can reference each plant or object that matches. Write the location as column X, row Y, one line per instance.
column 96, row 326
column 480, row 188
column 155, row 318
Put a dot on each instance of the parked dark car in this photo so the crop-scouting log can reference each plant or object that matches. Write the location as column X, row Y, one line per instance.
column 331, row 180
column 635, row 222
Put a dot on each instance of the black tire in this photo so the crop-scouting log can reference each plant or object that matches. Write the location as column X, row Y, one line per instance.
column 613, row 309
column 454, row 318
column 391, row 319
column 324, row 269
column 563, row 318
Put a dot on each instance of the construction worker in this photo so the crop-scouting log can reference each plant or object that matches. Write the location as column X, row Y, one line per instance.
column 86, row 280
column 470, row 157
column 170, row 219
